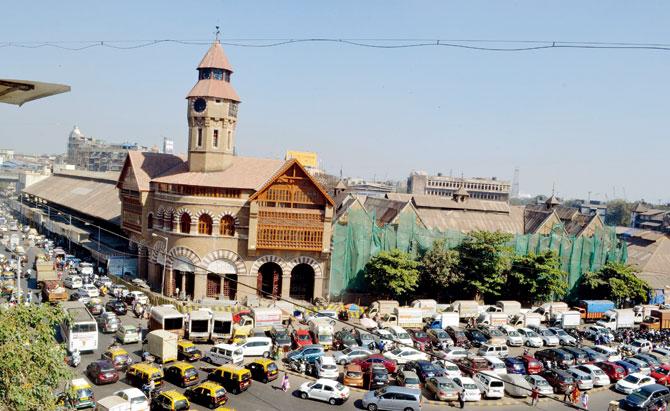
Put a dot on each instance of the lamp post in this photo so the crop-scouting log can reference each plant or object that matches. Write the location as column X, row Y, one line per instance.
column 164, row 259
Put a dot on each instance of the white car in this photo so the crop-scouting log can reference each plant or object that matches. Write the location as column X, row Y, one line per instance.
column 138, row 401
column 118, row 290
column 563, row 337
column 324, row 390
column 540, row 383
column 514, row 339
column 610, row 353
column 450, row 369
column 402, row 355
column 385, row 337
column 325, row 367
column 640, row 346
column 138, row 296
column 400, row 335
column 468, row 387
column 530, row 337
column 90, row 290
column 594, row 330
column 633, row 382
column 549, row 339
column 453, row 353
column 600, row 379
column 584, row 380
column 72, row 282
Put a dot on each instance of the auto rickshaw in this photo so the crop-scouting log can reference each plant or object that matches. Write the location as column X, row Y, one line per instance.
column 119, row 357
column 186, row 350
column 78, row 395
column 263, row 369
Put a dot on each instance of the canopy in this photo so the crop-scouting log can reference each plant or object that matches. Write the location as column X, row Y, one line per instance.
column 22, row 91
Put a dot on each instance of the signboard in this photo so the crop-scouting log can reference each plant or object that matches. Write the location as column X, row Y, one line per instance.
column 306, row 158
column 119, row 265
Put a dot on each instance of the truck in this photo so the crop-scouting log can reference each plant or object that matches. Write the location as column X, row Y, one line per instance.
column 642, row 311
column 222, row 326
column 617, row 318
column 382, row 307
column 509, row 307
column 48, row 280
column 492, row 319
column 547, row 310
column 166, row 317
column 267, row 317
column 429, row 307
column 593, row 310
column 465, row 308
column 405, row 317
column 657, row 320
column 199, row 325
column 444, row 320
column 526, row 319
column 567, row 319
column 321, row 330
column 162, row 345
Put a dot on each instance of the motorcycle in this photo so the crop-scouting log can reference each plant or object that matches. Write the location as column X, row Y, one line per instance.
column 147, row 357
column 149, row 392
column 299, row 366
column 75, row 359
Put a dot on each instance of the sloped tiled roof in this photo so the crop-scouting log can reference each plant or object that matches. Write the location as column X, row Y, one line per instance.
column 215, row 58
column 429, row 201
column 214, row 88
column 652, row 259
column 534, row 219
column 147, row 165
column 467, row 221
column 385, row 210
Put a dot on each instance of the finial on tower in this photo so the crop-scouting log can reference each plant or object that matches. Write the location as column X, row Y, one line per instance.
column 217, row 33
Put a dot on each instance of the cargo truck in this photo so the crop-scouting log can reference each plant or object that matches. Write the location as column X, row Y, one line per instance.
column 617, row 319
column 492, row 319
column 166, row 317
column 321, row 330
column 405, row 317
column 593, row 310
column 428, row 307
column 222, row 326
column 465, row 308
column 382, row 307
column 643, row 311
column 567, row 319
column 48, row 280
column 657, row 320
column 199, row 325
column 509, row 307
column 162, row 345
column 547, row 310
column 444, row 320
column 528, row 319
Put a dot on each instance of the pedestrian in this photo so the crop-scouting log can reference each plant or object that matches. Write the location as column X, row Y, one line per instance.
column 534, row 397
column 566, row 394
column 585, row 400
column 576, row 395
column 176, row 292
column 285, row 384
column 461, row 399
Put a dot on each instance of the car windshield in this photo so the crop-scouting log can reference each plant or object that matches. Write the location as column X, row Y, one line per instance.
column 531, row 334
column 470, row 386
column 632, row 379
column 329, row 367
column 339, row 386
column 191, row 349
column 495, row 333
column 661, row 370
column 561, row 333
column 190, row 371
column 403, row 336
column 540, row 383
column 303, row 337
column 84, row 393
column 451, row 367
column 636, row 344
column 441, row 335
column 513, row 333
column 420, row 334
column 412, row 380
column 547, row 333
column 444, row 385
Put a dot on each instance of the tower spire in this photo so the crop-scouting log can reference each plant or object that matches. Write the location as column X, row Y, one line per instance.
column 216, row 34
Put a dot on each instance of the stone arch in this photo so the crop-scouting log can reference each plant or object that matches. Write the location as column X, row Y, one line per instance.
column 226, row 255
column 181, row 211
column 160, row 211
column 318, row 273
column 269, row 259
column 200, row 212
column 180, row 251
column 227, row 213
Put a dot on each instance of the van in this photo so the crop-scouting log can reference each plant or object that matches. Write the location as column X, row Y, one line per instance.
column 495, row 350
column 226, row 354
column 142, row 373
column 496, row 365
column 489, row 384
column 257, row 347
column 393, row 398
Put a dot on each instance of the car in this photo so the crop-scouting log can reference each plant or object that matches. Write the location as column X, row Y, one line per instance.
column 90, row 290
column 594, row 356
column 324, row 390
column 493, row 335
column 402, row 355
column 549, row 339
column 532, row 364
column 208, row 393
column 424, row 369
column 103, row 281
column 138, row 282
column 661, row 374
column 515, row 365
column 169, row 401
column 368, row 361
column 365, row 339
column 563, row 337
column 309, row 353
column 448, row 368
column 556, row 356
column 496, row 365
column 384, row 336
column 353, row 376
column 610, row 353
column 301, row 338
column 138, row 401
column 408, row 378
column 642, row 365
column 94, row 306
column 453, row 353
column 581, row 357
column 490, row 384
column 468, row 388
column 600, row 378
column 649, row 359
column 280, row 337
column 639, row 345
column 420, row 339
column 458, row 336
column 136, row 296
column 472, row 365
column 583, row 379
column 187, row 350
column 662, row 352
column 614, row 371
column 629, row 367
column 108, row 322
column 102, row 372
column 439, row 338
column 538, row 382
column 118, row 290
column 392, row 398
column 593, row 331
column 347, row 355
column 376, row 376
column 530, row 338
column 181, row 374
column 476, row 337
column 441, row 389
column 560, row 380
column 344, row 339
column 398, row 334
column 649, row 397
column 72, row 282
column 326, row 367
column 633, row 382
column 118, row 307
column 514, row 339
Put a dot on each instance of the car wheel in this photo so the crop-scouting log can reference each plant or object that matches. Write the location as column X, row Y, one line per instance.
column 332, row 401
column 266, row 354
column 235, row 391
column 265, row 380
column 372, row 407
column 343, row 362
column 409, row 409
column 303, row 395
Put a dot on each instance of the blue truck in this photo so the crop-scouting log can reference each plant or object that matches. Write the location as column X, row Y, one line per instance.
column 593, row 310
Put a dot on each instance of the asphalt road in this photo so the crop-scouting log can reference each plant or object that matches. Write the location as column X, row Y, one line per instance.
column 269, row 397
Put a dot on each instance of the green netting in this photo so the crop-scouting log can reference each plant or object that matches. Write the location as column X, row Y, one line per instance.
column 356, row 238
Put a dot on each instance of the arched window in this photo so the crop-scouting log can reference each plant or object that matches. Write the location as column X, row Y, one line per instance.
column 168, row 221
column 227, row 226
column 150, row 221
column 185, row 223
column 205, row 224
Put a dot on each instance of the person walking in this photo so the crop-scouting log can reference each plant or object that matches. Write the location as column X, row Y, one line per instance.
column 585, row 400
column 566, row 394
column 285, row 384
column 461, row 399
column 534, row 397
column 576, row 395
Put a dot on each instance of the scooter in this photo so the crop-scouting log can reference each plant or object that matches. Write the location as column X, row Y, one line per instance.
column 150, row 393
column 75, row 359
column 298, row 366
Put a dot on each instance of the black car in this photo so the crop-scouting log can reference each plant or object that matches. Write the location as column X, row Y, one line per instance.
column 376, row 377
column 646, row 397
column 558, row 356
column 280, row 337
column 581, row 357
column 424, row 369
column 476, row 337
column 118, row 307
column 343, row 339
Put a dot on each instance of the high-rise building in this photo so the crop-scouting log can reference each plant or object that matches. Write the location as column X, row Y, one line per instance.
column 168, row 146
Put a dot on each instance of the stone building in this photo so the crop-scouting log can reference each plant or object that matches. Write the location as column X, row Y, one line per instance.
column 490, row 189
column 87, row 153
column 230, row 225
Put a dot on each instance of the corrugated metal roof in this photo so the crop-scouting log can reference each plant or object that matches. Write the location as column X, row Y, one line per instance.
column 97, row 197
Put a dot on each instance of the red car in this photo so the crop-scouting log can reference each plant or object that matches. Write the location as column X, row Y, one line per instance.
column 662, row 374
column 300, row 337
column 420, row 338
column 102, row 372
column 532, row 364
column 613, row 370
column 365, row 363
column 471, row 366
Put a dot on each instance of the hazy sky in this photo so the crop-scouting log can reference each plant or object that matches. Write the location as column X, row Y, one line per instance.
column 586, row 120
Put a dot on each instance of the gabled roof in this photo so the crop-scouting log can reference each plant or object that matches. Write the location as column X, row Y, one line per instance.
column 215, row 58
column 640, row 208
column 386, row 211
column 652, row 259
column 448, row 203
column 288, row 164
column 340, row 185
column 462, row 192
column 552, row 201
column 534, row 219
column 146, row 166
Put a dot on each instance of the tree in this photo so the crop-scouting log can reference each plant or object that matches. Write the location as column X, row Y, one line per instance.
column 438, row 267
column 484, row 260
column 618, row 213
column 32, row 362
column 392, row 273
column 536, row 278
column 614, row 281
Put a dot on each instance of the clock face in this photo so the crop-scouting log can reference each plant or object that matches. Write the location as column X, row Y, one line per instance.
column 199, row 105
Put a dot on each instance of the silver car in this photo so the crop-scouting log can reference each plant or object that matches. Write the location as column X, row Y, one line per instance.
column 563, row 337
column 387, row 398
column 108, row 322
column 349, row 354
column 543, row 387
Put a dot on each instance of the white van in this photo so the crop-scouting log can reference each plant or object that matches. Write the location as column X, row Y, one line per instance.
column 490, row 384
column 496, row 365
column 226, row 354
column 494, row 350
column 256, row 347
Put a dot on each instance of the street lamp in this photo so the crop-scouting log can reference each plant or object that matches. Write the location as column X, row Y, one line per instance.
column 164, row 258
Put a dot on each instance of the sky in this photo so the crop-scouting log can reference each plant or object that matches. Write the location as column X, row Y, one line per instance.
column 581, row 120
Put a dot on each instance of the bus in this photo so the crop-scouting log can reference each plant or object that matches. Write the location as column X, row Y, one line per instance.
column 80, row 330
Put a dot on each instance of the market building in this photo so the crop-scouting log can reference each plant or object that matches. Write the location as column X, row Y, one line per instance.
column 220, row 226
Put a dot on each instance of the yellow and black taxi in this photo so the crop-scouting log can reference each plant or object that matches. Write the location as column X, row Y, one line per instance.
column 263, row 370
column 209, row 394
column 186, row 350
column 170, row 401
column 181, row 374
column 139, row 374
column 233, row 377
column 119, row 357
column 78, row 395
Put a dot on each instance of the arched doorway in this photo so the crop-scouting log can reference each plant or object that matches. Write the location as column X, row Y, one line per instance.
column 269, row 280
column 222, row 279
column 302, row 282
column 184, row 276
column 213, row 285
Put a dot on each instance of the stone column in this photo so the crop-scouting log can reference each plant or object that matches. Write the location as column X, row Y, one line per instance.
column 151, row 275
column 318, row 287
column 285, row 285
column 168, row 286
column 199, row 285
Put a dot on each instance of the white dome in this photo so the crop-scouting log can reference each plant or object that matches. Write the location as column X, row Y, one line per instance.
column 76, row 133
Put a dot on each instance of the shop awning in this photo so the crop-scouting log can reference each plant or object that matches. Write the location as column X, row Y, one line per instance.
column 20, row 92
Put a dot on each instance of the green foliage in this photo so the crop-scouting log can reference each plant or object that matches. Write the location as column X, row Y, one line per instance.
column 484, row 260
column 614, row 281
column 618, row 213
column 32, row 362
column 392, row 273
column 536, row 278
column 438, row 267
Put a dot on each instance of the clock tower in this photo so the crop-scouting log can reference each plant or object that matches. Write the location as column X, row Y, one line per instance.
column 212, row 114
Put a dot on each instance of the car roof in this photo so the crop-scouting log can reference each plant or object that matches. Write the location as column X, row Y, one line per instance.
column 134, row 392
column 326, row 381
column 406, row 390
column 409, row 373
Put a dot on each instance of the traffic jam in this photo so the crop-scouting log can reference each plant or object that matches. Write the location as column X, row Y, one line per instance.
column 395, row 357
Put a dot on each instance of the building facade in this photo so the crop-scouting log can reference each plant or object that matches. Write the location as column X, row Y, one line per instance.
column 217, row 225
column 445, row 186
column 87, row 153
